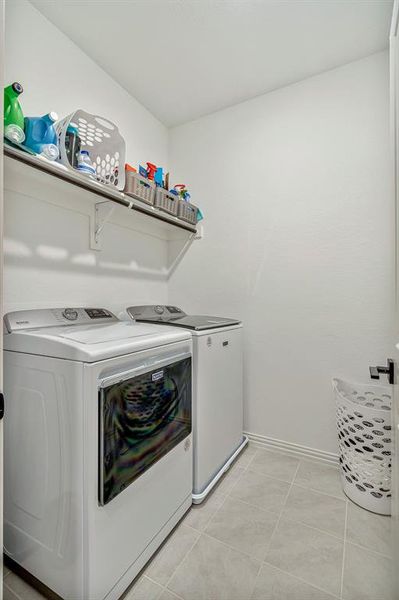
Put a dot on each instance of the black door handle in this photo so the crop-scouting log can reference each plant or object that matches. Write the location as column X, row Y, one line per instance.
column 389, row 370
column 1, row 405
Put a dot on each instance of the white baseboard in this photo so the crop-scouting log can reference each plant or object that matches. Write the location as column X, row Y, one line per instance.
column 293, row 449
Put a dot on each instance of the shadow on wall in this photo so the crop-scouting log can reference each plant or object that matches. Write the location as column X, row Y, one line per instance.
column 42, row 236
column 46, row 257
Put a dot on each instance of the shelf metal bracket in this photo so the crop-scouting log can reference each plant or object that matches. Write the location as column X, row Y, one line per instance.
column 101, row 215
column 198, row 235
column 200, row 232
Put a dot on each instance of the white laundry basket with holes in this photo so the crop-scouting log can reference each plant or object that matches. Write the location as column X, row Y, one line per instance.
column 365, row 443
column 101, row 138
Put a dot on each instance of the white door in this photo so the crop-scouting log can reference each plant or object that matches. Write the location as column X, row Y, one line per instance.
column 394, row 66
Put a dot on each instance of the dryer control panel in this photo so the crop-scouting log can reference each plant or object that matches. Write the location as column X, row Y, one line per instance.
column 156, row 312
column 52, row 317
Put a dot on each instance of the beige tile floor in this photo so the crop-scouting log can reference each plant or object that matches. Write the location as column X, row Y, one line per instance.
column 276, row 528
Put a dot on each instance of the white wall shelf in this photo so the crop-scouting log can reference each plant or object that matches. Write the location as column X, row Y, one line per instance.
column 130, row 210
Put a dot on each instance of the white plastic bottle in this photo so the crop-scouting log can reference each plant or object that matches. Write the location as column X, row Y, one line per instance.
column 84, row 163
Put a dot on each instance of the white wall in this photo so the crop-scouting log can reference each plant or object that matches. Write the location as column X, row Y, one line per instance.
column 57, row 75
column 295, row 186
column 296, row 190
column 47, row 257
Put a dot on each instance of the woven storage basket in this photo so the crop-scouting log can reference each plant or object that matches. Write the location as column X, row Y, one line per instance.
column 187, row 212
column 139, row 187
column 101, row 138
column 365, row 443
column 166, row 201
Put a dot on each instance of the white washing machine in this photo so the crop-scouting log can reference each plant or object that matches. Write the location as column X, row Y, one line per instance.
column 98, row 457
column 217, row 389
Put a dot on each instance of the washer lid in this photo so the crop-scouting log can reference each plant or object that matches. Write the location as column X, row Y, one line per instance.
column 195, row 322
column 171, row 315
column 103, row 333
column 91, row 342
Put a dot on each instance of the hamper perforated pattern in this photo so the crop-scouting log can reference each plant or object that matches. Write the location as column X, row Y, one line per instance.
column 101, row 138
column 364, row 432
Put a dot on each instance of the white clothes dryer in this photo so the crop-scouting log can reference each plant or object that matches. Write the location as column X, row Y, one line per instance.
column 98, row 457
column 217, row 389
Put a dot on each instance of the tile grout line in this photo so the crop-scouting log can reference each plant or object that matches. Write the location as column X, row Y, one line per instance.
column 201, row 533
column 256, row 579
column 335, row 537
column 228, row 495
column 344, row 549
column 251, row 459
column 269, row 476
column 300, row 461
column 282, row 508
column 314, row 491
column 316, row 587
column 144, row 576
column 368, row 549
column 183, row 559
column 164, row 587
column 174, row 595
column 275, row 528
column 278, row 522
column 224, row 497
column 252, row 558
column 279, row 512
column 207, row 535
column 291, row 484
column 318, row 530
column 331, row 534
column 275, row 513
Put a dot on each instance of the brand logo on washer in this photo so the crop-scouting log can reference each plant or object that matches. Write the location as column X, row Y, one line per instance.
column 209, row 342
column 156, row 376
column 187, row 444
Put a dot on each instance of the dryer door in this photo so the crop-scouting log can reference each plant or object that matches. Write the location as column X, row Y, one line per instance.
column 142, row 416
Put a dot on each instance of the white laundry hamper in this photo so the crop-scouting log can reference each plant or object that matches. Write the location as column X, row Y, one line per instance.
column 102, row 139
column 365, row 443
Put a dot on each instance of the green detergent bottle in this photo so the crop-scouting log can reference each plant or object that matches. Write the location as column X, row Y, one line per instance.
column 13, row 115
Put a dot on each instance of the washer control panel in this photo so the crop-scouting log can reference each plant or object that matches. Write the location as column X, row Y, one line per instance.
column 98, row 313
column 52, row 317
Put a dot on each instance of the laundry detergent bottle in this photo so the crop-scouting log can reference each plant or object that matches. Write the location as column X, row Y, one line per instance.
column 13, row 115
column 41, row 136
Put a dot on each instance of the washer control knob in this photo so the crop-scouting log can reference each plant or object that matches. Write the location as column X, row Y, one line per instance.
column 71, row 314
column 159, row 309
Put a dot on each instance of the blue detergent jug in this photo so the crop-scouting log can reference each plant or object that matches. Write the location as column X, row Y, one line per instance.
column 40, row 135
